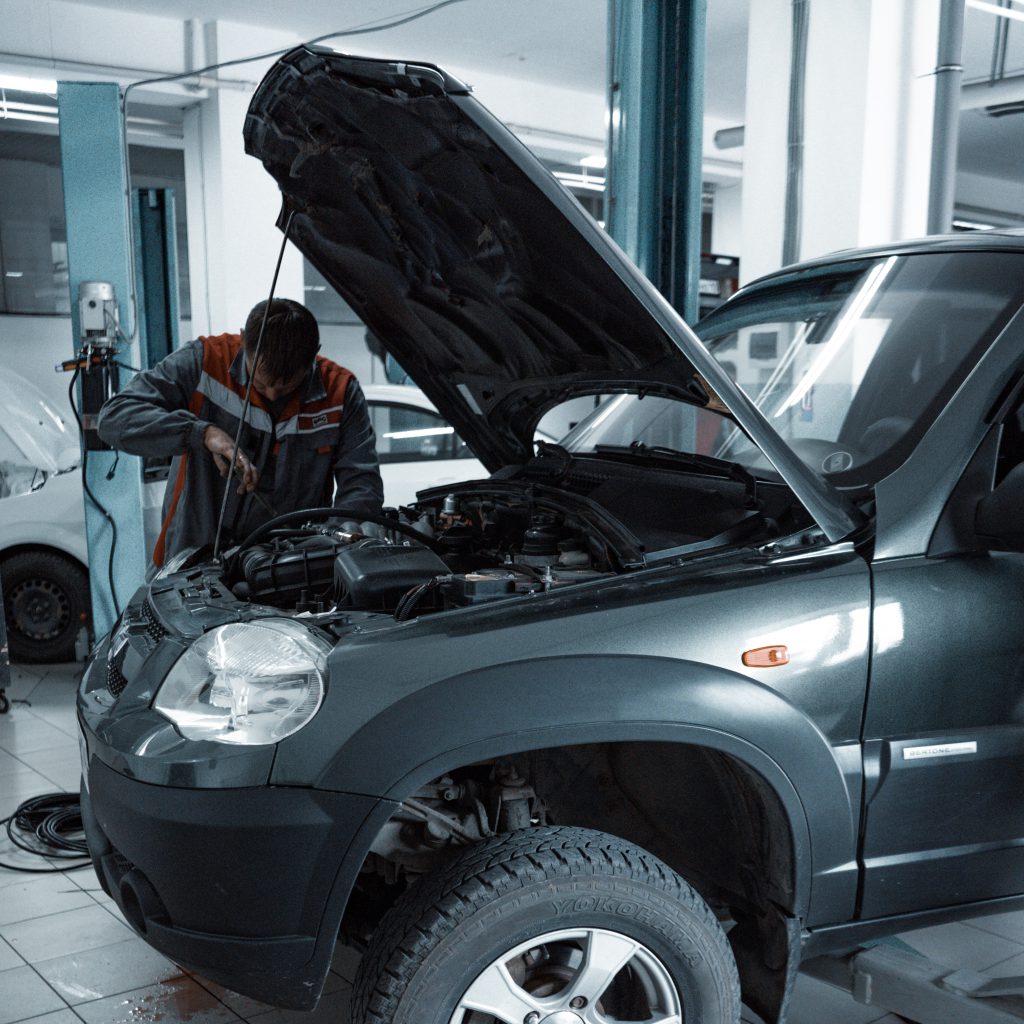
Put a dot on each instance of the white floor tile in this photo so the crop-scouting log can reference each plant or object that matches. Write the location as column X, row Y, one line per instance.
column 8, row 958
column 815, row 1002
column 38, row 896
column 62, row 766
column 97, row 973
column 1009, row 926
column 25, row 995
column 24, row 679
column 9, row 764
column 56, row 1017
column 961, row 945
column 21, row 732
column 72, row 931
column 1008, row 968
column 170, row 1001
column 15, row 789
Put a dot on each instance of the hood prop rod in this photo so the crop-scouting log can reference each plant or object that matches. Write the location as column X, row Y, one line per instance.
column 229, row 479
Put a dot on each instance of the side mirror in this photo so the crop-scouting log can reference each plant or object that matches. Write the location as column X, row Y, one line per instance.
column 999, row 520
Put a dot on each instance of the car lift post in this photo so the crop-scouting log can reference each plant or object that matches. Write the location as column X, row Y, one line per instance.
column 655, row 141
column 96, row 207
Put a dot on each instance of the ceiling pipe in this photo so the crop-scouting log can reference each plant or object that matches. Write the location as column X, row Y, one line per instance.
column 791, row 230
column 946, row 118
column 120, row 71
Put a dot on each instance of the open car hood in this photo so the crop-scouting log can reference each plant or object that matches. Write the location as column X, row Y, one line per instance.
column 33, row 435
column 476, row 269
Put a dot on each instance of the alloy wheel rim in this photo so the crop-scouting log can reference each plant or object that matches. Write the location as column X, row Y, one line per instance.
column 572, row 976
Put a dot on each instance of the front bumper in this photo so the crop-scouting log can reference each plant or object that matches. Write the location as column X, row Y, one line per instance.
column 232, row 883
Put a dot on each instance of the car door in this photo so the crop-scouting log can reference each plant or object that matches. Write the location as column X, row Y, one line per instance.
column 944, row 725
column 417, row 449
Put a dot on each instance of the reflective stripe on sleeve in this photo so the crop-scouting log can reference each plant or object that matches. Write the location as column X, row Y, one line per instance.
column 226, row 399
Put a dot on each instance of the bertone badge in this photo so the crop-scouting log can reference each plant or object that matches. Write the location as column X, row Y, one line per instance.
column 939, row 750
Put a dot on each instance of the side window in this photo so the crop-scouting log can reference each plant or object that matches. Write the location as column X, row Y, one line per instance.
column 1011, row 443
column 407, row 434
column 1001, row 451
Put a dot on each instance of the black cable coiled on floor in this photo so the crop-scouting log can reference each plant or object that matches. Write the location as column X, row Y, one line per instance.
column 48, row 826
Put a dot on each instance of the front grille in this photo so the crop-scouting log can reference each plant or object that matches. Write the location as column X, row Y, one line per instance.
column 154, row 630
column 144, row 630
column 116, row 681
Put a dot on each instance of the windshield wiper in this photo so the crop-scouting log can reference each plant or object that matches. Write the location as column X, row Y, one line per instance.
column 706, row 464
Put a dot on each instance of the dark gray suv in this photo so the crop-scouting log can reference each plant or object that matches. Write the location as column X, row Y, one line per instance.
column 731, row 677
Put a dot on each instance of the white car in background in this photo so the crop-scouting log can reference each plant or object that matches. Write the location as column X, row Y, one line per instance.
column 42, row 535
column 416, row 447
column 43, row 552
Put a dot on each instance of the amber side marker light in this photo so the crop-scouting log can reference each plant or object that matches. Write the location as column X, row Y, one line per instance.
column 766, row 657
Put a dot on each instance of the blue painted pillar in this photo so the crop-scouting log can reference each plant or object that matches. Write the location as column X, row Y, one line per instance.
column 94, row 166
column 656, row 107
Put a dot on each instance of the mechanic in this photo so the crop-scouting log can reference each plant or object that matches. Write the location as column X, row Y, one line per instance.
column 307, row 437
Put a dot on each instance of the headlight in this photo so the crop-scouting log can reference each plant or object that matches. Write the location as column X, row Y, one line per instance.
column 250, row 683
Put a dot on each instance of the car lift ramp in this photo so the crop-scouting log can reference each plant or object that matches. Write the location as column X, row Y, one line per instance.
column 919, row 989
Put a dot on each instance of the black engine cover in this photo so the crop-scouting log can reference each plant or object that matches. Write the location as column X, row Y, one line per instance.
column 373, row 574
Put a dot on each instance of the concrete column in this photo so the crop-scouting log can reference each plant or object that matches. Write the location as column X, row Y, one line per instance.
column 868, row 102
column 232, row 202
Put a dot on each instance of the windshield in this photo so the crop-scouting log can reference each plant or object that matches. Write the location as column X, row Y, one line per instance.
column 850, row 363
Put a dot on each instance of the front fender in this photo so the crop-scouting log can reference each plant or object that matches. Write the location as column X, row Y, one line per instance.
column 559, row 701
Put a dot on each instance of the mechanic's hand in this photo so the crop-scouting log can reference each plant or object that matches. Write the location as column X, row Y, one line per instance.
column 222, row 446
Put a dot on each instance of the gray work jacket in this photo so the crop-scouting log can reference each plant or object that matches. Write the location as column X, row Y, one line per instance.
column 322, row 453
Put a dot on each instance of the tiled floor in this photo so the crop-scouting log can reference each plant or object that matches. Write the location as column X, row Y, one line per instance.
column 67, row 957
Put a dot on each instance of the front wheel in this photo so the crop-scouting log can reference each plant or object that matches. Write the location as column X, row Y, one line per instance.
column 549, row 926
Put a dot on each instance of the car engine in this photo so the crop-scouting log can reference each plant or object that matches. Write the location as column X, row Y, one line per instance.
column 569, row 522
column 463, row 549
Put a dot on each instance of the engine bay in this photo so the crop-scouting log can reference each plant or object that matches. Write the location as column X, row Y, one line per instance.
column 465, row 550
column 491, row 540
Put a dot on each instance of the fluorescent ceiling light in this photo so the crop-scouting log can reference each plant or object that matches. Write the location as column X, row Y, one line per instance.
column 1002, row 12
column 598, row 160
column 20, row 115
column 581, row 181
column 27, row 108
column 17, row 83
column 972, row 225
column 402, row 435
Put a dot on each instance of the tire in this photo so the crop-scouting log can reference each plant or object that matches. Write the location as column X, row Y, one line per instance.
column 45, row 597
column 596, row 929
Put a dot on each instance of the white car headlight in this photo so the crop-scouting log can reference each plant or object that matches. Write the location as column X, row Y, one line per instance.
column 250, row 683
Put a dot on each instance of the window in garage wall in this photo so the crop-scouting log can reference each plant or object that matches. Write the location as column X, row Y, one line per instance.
column 33, row 237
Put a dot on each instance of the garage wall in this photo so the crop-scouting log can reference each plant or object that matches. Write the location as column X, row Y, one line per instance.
column 33, row 345
column 984, row 195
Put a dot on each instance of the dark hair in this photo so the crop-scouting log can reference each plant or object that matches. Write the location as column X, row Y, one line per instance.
column 290, row 340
